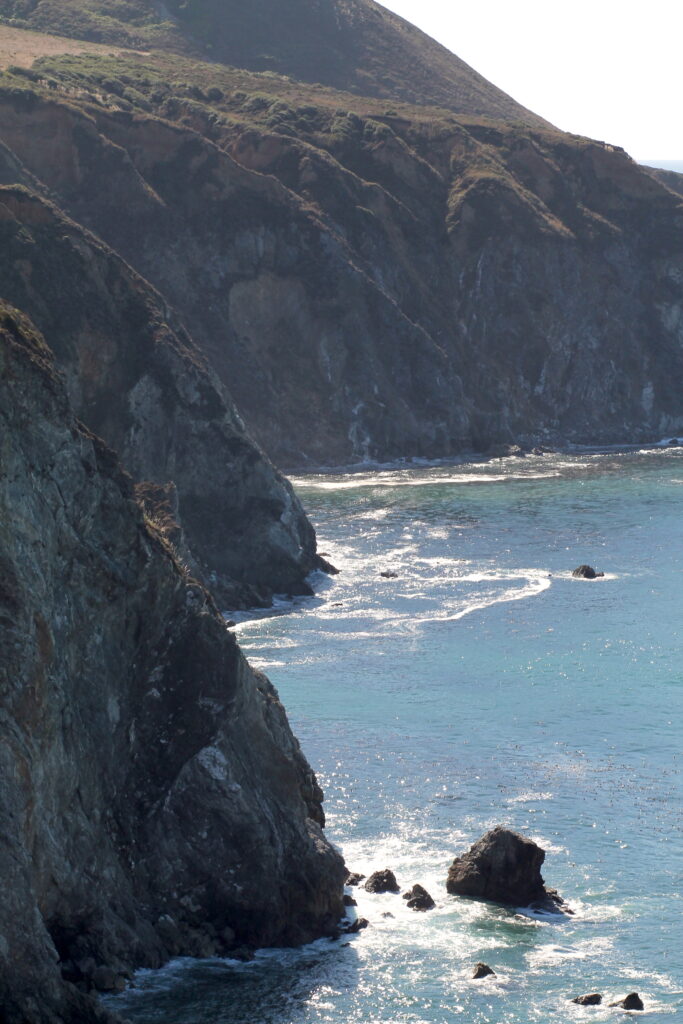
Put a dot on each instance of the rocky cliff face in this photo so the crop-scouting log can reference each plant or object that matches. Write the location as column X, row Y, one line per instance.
column 153, row 800
column 136, row 378
column 375, row 285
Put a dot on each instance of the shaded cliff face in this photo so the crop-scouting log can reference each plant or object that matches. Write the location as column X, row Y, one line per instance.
column 373, row 285
column 153, row 800
column 354, row 45
column 142, row 384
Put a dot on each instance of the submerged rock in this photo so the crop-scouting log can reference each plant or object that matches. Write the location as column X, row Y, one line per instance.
column 419, row 899
column 353, row 927
column 504, row 867
column 586, row 572
column 482, row 971
column 630, row 1002
column 382, row 881
column 592, row 999
column 389, row 574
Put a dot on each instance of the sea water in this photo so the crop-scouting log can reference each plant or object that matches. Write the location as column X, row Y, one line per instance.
column 481, row 686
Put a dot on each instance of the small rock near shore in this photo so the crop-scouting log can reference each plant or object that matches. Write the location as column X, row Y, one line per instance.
column 356, row 926
column 419, row 899
column 592, row 999
column 382, row 881
column 630, row 1002
column 349, row 900
column 353, row 878
column 482, row 971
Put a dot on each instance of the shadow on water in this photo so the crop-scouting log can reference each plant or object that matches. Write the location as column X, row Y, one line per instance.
column 275, row 988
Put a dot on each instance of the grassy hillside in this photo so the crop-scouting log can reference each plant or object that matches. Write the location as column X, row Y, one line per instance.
column 353, row 45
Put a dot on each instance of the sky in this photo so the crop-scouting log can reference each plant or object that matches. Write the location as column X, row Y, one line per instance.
column 609, row 70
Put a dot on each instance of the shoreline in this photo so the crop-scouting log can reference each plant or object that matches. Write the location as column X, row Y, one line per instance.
column 471, row 458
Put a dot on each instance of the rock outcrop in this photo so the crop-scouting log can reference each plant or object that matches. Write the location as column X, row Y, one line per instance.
column 586, row 572
column 153, row 801
column 482, row 970
column 591, row 999
column 630, row 1002
column 136, row 378
column 382, row 881
column 503, row 867
column 419, row 899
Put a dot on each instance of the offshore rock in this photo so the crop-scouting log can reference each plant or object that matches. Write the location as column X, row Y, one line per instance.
column 504, row 867
column 382, row 881
column 630, row 1002
column 419, row 899
column 153, row 800
column 586, row 572
column 592, row 999
column 482, row 971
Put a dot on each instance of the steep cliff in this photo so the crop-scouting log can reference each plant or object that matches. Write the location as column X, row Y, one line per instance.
column 373, row 284
column 136, row 378
column 153, row 801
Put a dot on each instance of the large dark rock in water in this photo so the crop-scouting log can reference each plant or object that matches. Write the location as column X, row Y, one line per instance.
column 382, row 881
column 592, row 999
column 586, row 572
column 153, row 800
column 630, row 1002
column 482, row 971
column 504, row 867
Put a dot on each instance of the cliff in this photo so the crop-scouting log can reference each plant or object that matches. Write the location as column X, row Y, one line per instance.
column 371, row 283
column 137, row 379
column 153, row 800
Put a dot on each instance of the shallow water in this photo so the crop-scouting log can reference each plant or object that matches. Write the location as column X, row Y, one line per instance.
column 484, row 685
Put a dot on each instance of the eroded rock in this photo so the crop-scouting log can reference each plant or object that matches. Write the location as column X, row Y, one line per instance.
column 482, row 970
column 504, row 867
column 419, row 899
column 630, row 1002
column 382, row 881
column 592, row 999
column 586, row 572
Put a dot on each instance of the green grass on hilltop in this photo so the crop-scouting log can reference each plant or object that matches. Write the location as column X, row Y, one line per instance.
column 349, row 45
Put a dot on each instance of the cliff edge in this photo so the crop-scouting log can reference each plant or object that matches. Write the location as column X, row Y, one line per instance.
column 153, row 801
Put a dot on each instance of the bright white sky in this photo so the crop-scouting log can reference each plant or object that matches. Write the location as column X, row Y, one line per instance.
column 608, row 69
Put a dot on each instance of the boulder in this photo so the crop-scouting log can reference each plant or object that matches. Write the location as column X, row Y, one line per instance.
column 593, row 999
column 389, row 574
column 586, row 572
column 349, row 901
column 504, row 867
column 419, row 899
column 356, row 926
column 353, row 878
column 382, row 881
column 630, row 1002
column 482, row 971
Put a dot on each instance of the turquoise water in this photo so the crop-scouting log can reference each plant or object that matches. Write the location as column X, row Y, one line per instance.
column 482, row 686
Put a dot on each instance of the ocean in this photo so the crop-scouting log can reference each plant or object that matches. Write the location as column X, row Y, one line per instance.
column 481, row 686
